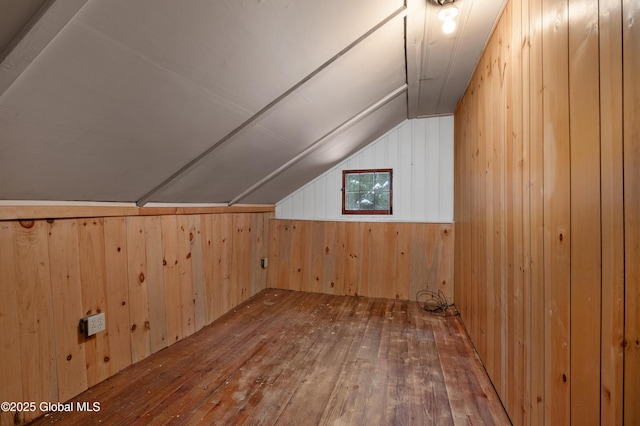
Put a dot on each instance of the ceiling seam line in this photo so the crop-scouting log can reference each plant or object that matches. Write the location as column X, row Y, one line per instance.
column 401, row 11
column 317, row 144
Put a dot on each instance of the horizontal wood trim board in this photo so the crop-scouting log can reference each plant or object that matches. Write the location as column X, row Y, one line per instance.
column 29, row 212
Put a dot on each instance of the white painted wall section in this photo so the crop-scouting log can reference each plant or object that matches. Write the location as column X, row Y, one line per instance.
column 420, row 152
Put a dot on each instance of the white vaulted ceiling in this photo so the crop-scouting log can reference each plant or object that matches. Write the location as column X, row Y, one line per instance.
column 203, row 101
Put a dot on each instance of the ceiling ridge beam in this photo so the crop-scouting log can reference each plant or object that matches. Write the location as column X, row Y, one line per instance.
column 42, row 28
column 400, row 12
column 317, row 144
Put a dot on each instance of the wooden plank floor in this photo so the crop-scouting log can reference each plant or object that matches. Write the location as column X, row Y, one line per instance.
column 295, row 358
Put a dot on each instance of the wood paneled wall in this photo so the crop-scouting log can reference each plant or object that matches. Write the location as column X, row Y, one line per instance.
column 372, row 259
column 159, row 278
column 547, row 199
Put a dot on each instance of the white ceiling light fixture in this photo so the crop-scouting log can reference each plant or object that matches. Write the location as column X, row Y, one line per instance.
column 447, row 15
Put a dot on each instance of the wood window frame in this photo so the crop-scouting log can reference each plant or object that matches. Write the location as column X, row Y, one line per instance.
column 345, row 211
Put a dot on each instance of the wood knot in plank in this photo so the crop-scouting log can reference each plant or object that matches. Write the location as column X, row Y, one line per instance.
column 27, row 223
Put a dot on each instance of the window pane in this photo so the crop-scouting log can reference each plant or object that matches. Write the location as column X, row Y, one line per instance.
column 382, row 201
column 353, row 182
column 366, row 182
column 383, row 181
column 366, row 201
column 352, row 200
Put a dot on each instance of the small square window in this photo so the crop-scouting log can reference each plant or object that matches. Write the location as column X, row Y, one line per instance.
column 367, row 191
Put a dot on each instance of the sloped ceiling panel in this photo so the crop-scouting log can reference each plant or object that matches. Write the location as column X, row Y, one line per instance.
column 129, row 92
column 370, row 71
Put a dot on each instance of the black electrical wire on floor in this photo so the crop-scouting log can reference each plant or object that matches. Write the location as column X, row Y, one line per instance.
column 435, row 303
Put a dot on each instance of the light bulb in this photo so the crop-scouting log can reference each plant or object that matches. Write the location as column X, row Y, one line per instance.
column 448, row 26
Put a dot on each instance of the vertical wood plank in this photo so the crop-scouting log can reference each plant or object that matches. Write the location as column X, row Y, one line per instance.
column 481, row 249
column 315, row 277
column 35, row 313
column 378, row 280
column 585, row 288
column 286, row 230
column 526, row 343
column 94, row 295
column 241, row 258
column 117, row 291
column 297, row 255
column 206, row 239
column 536, row 176
column 259, row 250
column 444, row 244
column 11, row 378
column 66, row 298
column 155, row 283
column 612, row 200
column 389, row 262
column 330, row 261
column 418, row 261
column 224, row 254
column 307, row 248
column 517, row 381
column 185, row 274
column 341, row 258
column 197, row 272
column 508, row 194
column 631, row 90
column 275, row 238
column 365, row 261
column 403, row 268
column 138, row 295
column 171, row 277
column 352, row 269
column 557, row 210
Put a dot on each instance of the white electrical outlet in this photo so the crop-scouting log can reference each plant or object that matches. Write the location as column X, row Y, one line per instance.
column 93, row 324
